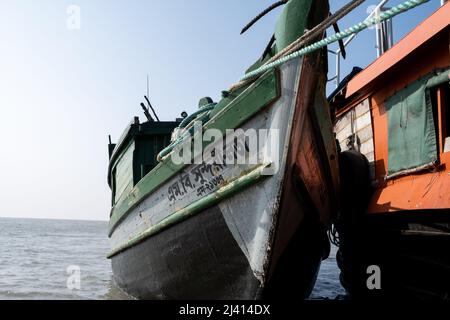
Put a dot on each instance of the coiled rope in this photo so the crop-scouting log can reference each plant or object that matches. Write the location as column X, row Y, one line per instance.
column 289, row 55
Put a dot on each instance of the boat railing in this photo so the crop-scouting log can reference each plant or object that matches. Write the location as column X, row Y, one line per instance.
column 384, row 38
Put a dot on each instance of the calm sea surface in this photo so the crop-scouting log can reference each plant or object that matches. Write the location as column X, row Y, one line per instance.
column 41, row 259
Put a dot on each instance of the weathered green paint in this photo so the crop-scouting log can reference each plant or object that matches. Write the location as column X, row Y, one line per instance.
column 124, row 172
column 146, row 136
column 247, row 104
column 252, row 100
column 292, row 22
column 225, row 191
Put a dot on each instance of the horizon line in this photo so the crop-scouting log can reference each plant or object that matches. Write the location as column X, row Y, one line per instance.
column 48, row 218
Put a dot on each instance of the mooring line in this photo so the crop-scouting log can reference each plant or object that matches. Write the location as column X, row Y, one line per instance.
column 407, row 5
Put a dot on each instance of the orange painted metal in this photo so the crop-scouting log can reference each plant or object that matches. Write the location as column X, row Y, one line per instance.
column 415, row 39
column 420, row 52
column 426, row 190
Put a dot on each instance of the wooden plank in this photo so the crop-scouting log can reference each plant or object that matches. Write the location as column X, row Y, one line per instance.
column 366, row 147
column 345, row 133
column 365, row 134
column 363, row 121
column 342, row 122
column 441, row 118
column 362, row 108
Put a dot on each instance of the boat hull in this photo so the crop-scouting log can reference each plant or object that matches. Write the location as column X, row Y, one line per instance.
column 234, row 232
column 266, row 240
column 195, row 259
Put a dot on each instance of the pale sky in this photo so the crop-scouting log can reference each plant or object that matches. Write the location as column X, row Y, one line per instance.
column 63, row 91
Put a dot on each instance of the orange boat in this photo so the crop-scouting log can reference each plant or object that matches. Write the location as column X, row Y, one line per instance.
column 392, row 122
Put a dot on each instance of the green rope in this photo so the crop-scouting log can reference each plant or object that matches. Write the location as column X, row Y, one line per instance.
column 405, row 6
column 194, row 115
column 185, row 123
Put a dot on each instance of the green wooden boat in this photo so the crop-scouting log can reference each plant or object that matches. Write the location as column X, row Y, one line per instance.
column 245, row 230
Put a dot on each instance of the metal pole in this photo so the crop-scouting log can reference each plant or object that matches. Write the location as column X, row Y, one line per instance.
column 378, row 40
column 391, row 33
column 346, row 42
column 338, row 68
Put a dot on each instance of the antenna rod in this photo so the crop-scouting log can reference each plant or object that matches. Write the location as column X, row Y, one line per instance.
column 147, row 85
column 153, row 110
column 146, row 113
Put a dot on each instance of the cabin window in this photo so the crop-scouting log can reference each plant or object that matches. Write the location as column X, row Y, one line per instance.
column 123, row 173
column 413, row 142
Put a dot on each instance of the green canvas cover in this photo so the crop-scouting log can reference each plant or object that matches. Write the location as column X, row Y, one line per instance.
column 411, row 129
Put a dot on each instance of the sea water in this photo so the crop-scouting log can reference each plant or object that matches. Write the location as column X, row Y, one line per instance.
column 66, row 259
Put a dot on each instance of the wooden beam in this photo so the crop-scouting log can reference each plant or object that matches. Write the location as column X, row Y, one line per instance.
column 441, row 117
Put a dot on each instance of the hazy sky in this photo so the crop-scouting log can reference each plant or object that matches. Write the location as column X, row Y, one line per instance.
column 63, row 91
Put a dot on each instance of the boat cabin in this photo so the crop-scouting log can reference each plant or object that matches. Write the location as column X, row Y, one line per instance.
column 396, row 112
column 136, row 153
